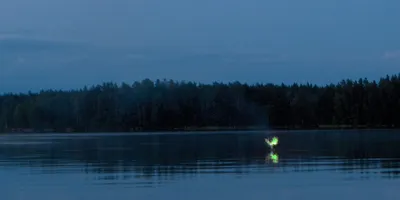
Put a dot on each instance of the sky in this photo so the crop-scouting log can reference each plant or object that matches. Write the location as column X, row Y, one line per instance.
column 65, row 44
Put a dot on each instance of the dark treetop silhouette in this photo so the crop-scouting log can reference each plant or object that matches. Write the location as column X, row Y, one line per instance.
column 169, row 105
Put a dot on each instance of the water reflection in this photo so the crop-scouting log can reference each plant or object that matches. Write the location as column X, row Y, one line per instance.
column 272, row 157
column 154, row 160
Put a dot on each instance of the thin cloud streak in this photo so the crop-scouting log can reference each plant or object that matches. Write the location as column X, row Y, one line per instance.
column 389, row 55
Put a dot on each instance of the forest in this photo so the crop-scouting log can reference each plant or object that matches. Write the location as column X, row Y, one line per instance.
column 166, row 105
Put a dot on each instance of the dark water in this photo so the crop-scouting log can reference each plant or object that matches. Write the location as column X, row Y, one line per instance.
column 311, row 165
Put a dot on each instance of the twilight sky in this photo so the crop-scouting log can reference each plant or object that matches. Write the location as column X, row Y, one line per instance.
column 70, row 43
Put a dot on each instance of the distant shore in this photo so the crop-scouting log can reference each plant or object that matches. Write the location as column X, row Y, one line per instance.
column 170, row 106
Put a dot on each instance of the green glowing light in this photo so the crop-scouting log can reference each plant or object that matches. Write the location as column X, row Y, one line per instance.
column 273, row 142
column 274, row 157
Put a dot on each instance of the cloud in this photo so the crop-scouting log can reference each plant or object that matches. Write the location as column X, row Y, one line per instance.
column 21, row 60
column 133, row 56
column 12, row 34
column 388, row 55
column 4, row 36
column 13, row 44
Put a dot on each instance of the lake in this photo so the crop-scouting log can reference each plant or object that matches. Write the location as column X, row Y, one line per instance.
column 225, row 165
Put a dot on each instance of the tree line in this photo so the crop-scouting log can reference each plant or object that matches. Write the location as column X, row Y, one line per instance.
column 168, row 105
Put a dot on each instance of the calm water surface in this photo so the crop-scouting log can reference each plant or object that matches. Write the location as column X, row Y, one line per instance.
column 310, row 165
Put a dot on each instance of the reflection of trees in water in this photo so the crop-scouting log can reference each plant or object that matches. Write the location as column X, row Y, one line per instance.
column 147, row 156
column 364, row 152
column 167, row 157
